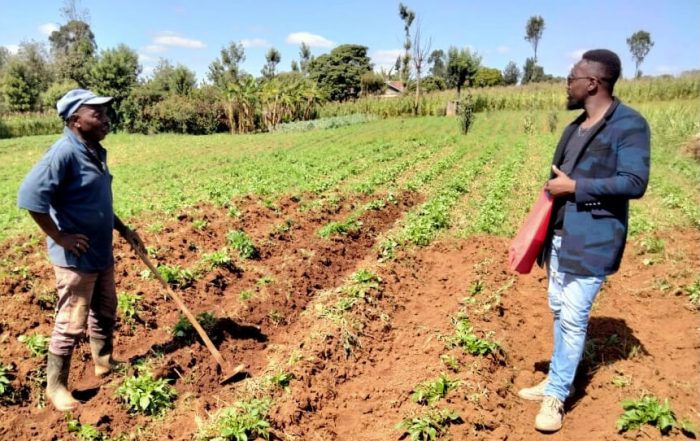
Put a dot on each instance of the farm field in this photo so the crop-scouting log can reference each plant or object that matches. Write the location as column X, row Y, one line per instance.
column 361, row 275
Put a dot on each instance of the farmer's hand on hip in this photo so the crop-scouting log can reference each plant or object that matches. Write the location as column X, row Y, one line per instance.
column 75, row 243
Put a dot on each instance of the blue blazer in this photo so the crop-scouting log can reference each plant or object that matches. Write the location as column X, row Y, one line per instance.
column 612, row 168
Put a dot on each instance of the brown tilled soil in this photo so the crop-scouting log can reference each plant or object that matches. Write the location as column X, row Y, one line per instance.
column 643, row 333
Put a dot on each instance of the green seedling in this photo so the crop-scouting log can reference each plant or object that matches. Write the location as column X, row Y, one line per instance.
column 276, row 317
column 5, row 382
column 246, row 420
column 242, row 243
column 176, row 276
column 184, row 330
column 333, row 228
column 693, row 291
column 450, row 361
column 646, row 410
column 85, row 432
column 128, row 306
column 246, row 294
column 430, row 425
column 430, row 392
column 144, row 394
column 465, row 338
column 217, row 259
column 37, row 344
column 199, row 224
column 282, row 380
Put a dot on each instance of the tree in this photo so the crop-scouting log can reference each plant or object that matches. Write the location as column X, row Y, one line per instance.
column 305, row 58
column 115, row 73
column 532, row 73
column 4, row 57
column 462, row 65
column 640, row 44
column 26, row 75
column 226, row 68
column 533, row 32
column 420, row 54
column 511, row 74
column 272, row 59
column 169, row 79
column 338, row 73
column 437, row 60
column 294, row 66
column 73, row 49
column 488, row 77
column 407, row 16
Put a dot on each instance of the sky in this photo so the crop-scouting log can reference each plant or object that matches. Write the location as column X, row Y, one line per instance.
column 193, row 32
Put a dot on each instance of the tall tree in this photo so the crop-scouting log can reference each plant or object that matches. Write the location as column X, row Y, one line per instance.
column 272, row 59
column 640, row 44
column 462, row 65
column 511, row 74
column 533, row 32
column 115, row 73
column 169, row 79
column 226, row 68
column 407, row 16
column 305, row 57
column 26, row 75
column 4, row 57
column 73, row 49
column 421, row 49
column 339, row 73
column 437, row 61
column 532, row 73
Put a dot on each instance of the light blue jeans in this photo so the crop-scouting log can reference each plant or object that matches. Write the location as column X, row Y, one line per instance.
column 570, row 298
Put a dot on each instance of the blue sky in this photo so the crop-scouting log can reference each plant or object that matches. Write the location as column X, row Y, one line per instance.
column 193, row 32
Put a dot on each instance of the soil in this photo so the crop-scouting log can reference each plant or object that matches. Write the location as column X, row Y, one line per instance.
column 357, row 385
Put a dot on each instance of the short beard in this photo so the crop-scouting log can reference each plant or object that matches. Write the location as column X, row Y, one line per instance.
column 573, row 104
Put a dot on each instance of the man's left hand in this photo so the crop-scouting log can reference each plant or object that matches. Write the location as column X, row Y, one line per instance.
column 561, row 185
column 133, row 238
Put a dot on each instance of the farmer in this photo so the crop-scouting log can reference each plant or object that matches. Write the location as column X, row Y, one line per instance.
column 68, row 193
column 601, row 162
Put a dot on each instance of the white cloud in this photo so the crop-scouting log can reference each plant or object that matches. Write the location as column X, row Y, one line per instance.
column 255, row 42
column 312, row 40
column 145, row 58
column 154, row 49
column 502, row 49
column 48, row 28
column 13, row 48
column 172, row 39
column 385, row 58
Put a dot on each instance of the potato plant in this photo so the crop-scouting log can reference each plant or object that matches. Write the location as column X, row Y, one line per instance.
column 144, row 394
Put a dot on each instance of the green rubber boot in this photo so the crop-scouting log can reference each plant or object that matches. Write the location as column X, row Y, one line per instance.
column 57, row 369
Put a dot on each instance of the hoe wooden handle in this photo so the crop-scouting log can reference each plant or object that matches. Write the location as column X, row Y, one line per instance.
column 227, row 370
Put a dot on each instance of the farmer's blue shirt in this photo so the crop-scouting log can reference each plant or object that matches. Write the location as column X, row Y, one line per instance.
column 74, row 186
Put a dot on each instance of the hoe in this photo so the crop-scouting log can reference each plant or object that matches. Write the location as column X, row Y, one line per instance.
column 228, row 372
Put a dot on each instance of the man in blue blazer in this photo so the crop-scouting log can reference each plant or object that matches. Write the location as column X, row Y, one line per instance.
column 601, row 162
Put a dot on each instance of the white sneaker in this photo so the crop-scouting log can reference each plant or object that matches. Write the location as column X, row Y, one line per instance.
column 536, row 393
column 551, row 415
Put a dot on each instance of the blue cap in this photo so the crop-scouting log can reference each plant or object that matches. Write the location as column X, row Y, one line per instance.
column 72, row 101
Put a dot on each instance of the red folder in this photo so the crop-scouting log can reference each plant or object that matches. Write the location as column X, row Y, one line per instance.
column 527, row 244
